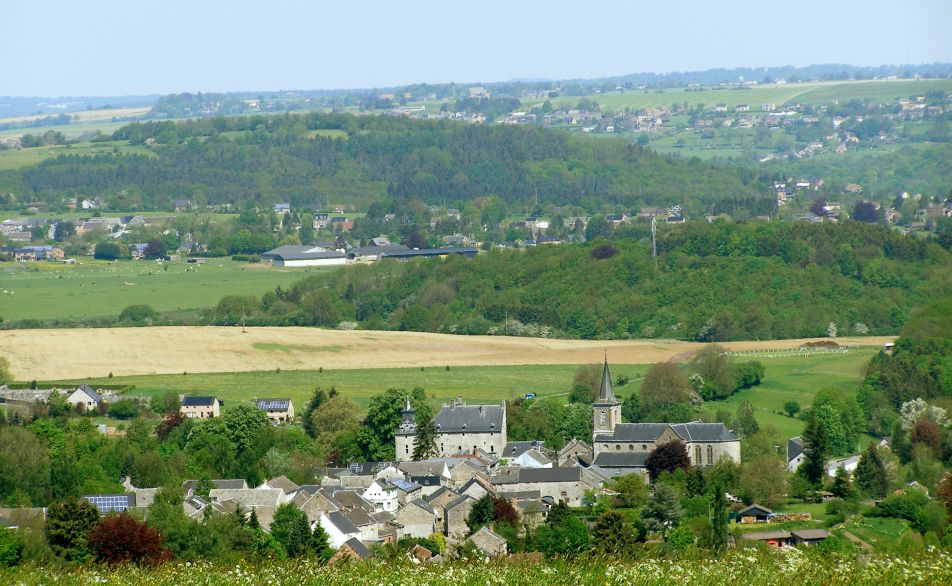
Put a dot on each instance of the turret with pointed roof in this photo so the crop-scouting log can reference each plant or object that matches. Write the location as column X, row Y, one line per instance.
column 606, row 409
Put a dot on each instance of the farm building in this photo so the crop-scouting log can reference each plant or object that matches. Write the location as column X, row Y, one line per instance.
column 304, row 256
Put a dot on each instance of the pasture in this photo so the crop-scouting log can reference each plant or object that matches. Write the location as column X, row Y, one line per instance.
column 16, row 159
column 788, row 376
column 882, row 91
column 91, row 289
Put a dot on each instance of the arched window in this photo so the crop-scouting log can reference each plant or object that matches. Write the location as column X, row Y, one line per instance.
column 604, row 419
column 697, row 455
column 710, row 455
column 617, row 447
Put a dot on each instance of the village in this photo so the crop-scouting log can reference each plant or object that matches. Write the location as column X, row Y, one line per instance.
column 363, row 505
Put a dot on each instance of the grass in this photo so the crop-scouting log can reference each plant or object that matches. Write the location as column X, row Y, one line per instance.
column 797, row 378
column 93, row 288
column 756, row 96
column 785, row 379
column 16, row 159
column 878, row 532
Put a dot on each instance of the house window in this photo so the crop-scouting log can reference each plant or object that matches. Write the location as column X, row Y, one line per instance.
column 710, row 455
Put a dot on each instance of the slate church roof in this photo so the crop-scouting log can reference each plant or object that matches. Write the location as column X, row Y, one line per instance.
column 688, row 432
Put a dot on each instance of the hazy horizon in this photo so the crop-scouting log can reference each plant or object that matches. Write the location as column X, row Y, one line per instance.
column 66, row 49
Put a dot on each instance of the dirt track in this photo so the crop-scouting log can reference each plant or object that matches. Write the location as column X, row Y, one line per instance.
column 77, row 353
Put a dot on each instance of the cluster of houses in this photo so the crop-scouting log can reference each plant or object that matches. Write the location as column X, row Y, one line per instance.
column 83, row 397
column 364, row 503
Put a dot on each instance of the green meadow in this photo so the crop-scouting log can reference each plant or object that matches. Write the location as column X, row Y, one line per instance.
column 787, row 378
column 756, row 96
column 95, row 289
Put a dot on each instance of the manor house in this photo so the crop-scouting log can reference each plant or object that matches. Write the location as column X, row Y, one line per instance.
column 460, row 428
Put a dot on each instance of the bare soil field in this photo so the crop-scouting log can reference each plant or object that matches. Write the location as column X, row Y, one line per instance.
column 77, row 353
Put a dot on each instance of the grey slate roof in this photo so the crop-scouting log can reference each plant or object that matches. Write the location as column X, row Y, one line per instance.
column 357, row 547
column 198, row 401
column 649, row 432
column 606, row 396
column 91, row 392
column 470, row 419
column 342, row 523
column 423, row 505
column 539, row 475
column 621, row 460
column 794, row 447
column 754, row 509
column 461, row 250
column 516, row 449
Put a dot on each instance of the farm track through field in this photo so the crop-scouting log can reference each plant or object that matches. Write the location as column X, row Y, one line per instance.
column 56, row 354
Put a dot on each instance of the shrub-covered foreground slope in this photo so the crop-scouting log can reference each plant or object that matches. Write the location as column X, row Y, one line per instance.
column 791, row 567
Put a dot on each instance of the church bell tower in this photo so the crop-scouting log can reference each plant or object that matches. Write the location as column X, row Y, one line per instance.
column 606, row 408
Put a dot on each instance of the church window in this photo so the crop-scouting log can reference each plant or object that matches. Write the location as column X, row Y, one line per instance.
column 697, row 455
column 644, row 448
column 617, row 447
column 604, row 418
column 631, row 447
column 710, row 455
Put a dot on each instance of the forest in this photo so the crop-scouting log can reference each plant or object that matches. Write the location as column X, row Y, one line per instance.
column 314, row 159
column 712, row 282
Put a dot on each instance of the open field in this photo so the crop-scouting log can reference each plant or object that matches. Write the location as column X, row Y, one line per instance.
column 756, row 96
column 785, row 379
column 796, row 378
column 79, row 353
column 43, row 290
column 15, row 159
column 84, row 115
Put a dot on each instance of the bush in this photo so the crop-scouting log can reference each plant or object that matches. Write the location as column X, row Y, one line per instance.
column 120, row 538
column 246, row 257
column 748, row 374
column 138, row 314
column 124, row 409
column 110, row 251
column 10, row 547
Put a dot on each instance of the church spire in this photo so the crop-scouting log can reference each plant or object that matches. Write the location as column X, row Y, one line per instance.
column 605, row 393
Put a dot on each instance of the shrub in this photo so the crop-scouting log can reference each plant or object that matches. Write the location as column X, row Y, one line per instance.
column 138, row 313
column 10, row 547
column 124, row 409
column 120, row 538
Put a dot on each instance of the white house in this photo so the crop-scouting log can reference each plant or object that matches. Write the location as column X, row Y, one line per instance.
column 383, row 495
column 86, row 396
column 339, row 528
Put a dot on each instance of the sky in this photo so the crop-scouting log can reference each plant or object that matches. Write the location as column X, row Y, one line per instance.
column 131, row 47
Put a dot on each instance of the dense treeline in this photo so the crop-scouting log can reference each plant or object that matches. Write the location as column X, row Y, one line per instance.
column 293, row 158
column 713, row 282
column 918, row 370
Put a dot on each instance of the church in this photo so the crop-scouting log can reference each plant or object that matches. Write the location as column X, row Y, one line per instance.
column 622, row 448
column 460, row 428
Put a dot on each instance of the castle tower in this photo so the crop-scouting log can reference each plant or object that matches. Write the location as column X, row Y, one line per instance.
column 406, row 434
column 606, row 408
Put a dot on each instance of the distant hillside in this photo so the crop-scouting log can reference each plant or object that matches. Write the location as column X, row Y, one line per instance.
column 313, row 158
column 713, row 282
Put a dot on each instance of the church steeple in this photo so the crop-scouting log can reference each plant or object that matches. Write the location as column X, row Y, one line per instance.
column 605, row 409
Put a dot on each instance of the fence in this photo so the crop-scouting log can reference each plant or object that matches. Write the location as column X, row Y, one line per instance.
column 804, row 351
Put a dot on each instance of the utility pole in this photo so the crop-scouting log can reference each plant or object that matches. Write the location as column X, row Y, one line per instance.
column 654, row 240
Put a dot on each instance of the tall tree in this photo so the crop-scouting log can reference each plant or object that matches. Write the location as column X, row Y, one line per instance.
column 424, row 443
column 291, row 529
column 611, row 535
column 376, row 437
column 816, row 449
column 871, row 476
column 665, row 384
column 662, row 511
column 68, row 524
column 716, row 368
column 746, row 422
column 481, row 513
column 718, row 517
column 122, row 539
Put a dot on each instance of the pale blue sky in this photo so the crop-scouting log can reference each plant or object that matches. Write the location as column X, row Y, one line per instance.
column 112, row 47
